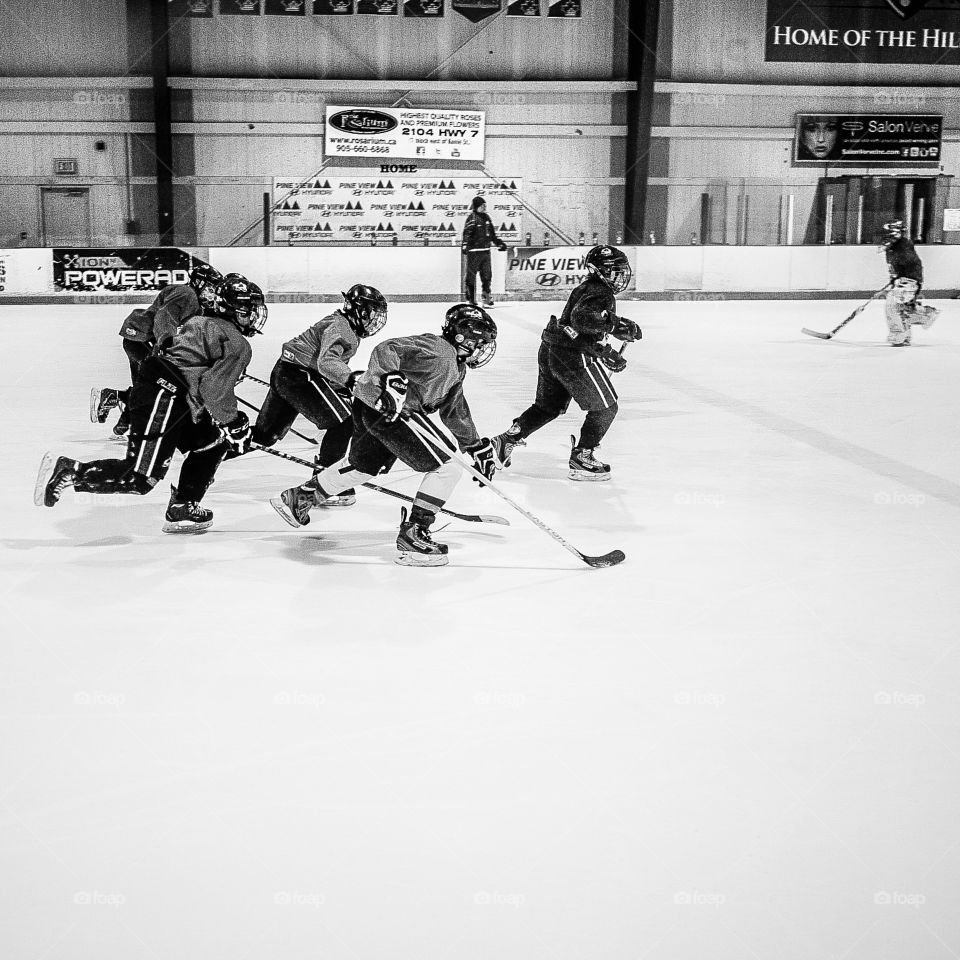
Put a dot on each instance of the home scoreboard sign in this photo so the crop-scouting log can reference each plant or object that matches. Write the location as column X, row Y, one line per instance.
column 867, row 140
column 403, row 132
column 388, row 208
column 863, row 31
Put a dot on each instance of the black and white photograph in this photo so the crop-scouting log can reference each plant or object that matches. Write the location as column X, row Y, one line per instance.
column 483, row 489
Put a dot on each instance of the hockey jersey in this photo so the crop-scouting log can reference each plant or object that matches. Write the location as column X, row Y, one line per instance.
column 589, row 314
column 173, row 305
column 902, row 260
column 212, row 354
column 435, row 381
column 326, row 347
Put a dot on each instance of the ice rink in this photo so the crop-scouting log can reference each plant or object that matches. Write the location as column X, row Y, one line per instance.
column 267, row 743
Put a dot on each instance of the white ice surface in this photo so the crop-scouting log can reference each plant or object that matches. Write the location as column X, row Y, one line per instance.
column 267, row 743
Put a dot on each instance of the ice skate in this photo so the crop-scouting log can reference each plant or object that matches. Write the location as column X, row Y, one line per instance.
column 53, row 479
column 504, row 445
column 926, row 317
column 293, row 505
column 488, row 301
column 417, row 548
column 121, row 427
column 186, row 516
column 897, row 338
column 585, row 466
column 102, row 401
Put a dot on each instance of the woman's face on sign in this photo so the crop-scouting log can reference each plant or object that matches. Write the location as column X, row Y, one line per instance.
column 820, row 136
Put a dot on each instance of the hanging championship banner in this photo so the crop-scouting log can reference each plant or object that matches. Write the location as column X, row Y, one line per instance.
column 404, row 132
column 383, row 8
column 250, row 8
column 285, row 8
column 341, row 8
column 390, row 208
column 565, row 8
column 193, row 8
column 552, row 271
column 423, row 8
column 476, row 10
column 523, row 8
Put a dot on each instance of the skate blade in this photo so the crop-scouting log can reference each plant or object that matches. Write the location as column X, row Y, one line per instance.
column 186, row 526
column 94, row 403
column 406, row 559
column 338, row 502
column 285, row 513
column 588, row 477
column 43, row 478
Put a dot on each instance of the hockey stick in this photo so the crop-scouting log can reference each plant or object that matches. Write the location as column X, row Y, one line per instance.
column 606, row 560
column 840, row 326
column 250, row 376
column 297, row 432
column 472, row 517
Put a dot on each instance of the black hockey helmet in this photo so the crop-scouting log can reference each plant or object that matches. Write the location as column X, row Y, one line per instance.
column 893, row 230
column 204, row 280
column 469, row 328
column 241, row 301
column 611, row 265
column 366, row 309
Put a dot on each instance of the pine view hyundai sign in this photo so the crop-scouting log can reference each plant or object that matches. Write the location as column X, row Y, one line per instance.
column 403, row 132
column 866, row 140
column 863, row 31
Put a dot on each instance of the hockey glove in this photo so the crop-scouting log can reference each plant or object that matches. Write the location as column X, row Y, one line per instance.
column 355, row 375
column 484, row 459
column 237, row 434
column 501, row 245
column 626, row 330
column 393, row 390
column 612, row 360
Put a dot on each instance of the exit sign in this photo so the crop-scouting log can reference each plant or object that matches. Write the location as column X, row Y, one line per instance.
column 65, row 166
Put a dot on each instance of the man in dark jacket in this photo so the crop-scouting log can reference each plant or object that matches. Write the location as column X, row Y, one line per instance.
column 478, row 234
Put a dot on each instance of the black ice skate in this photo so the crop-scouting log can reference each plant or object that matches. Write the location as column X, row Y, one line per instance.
column 121, row 427
column 417, row 548
column 102, row 401
column 585, row 466
column 504, row 445
column 294, row 506
column 53, row 479
column 186, row 516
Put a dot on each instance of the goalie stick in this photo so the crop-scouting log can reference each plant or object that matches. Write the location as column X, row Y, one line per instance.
column 606, row 560
column 471, row 517
column 840, row 326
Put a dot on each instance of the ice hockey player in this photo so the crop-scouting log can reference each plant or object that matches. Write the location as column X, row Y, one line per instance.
column 312, row 377
column 478, row 234
column 144, row 330
column 183, row 400
column 573, row 361
column 409, row 378
column 903, row 308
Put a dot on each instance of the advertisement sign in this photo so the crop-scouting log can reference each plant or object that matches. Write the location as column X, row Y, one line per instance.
column 84, row 269
column 548, row 270
column 385, row 208
column 404, row 132
column 866, row 140
column 862, row 31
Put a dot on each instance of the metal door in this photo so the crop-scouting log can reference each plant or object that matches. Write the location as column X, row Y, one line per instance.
column 65, row 216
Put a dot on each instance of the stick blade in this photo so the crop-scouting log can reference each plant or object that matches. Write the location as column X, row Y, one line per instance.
column 813, row 333
column 492, row 518
column 610, row 559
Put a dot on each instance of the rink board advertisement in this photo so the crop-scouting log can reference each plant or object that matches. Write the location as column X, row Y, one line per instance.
column 388, row 207
column 866, row 140
column 548, row 270
column 122, row 269
column 404, row 132
column 899, row 32
column 25, row 271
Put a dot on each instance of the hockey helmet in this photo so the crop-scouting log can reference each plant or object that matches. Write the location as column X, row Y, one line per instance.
column 204, row 280
column 893, row 230
column 241, row 301
column 366, row 309
column 611, row 265
column 472, row 330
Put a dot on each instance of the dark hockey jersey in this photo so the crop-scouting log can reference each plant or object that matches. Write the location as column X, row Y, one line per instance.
column 213, row 355
column 589, row 315
column 902, row 260
column 173, row 305
column 435, row 381
column 326, row 347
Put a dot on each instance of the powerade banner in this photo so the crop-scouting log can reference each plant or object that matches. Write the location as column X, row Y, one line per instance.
column 404, row 132
column 863, row 31
column 866, row 140
column 120, row 269
column 549, row 270
column 388, row 207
